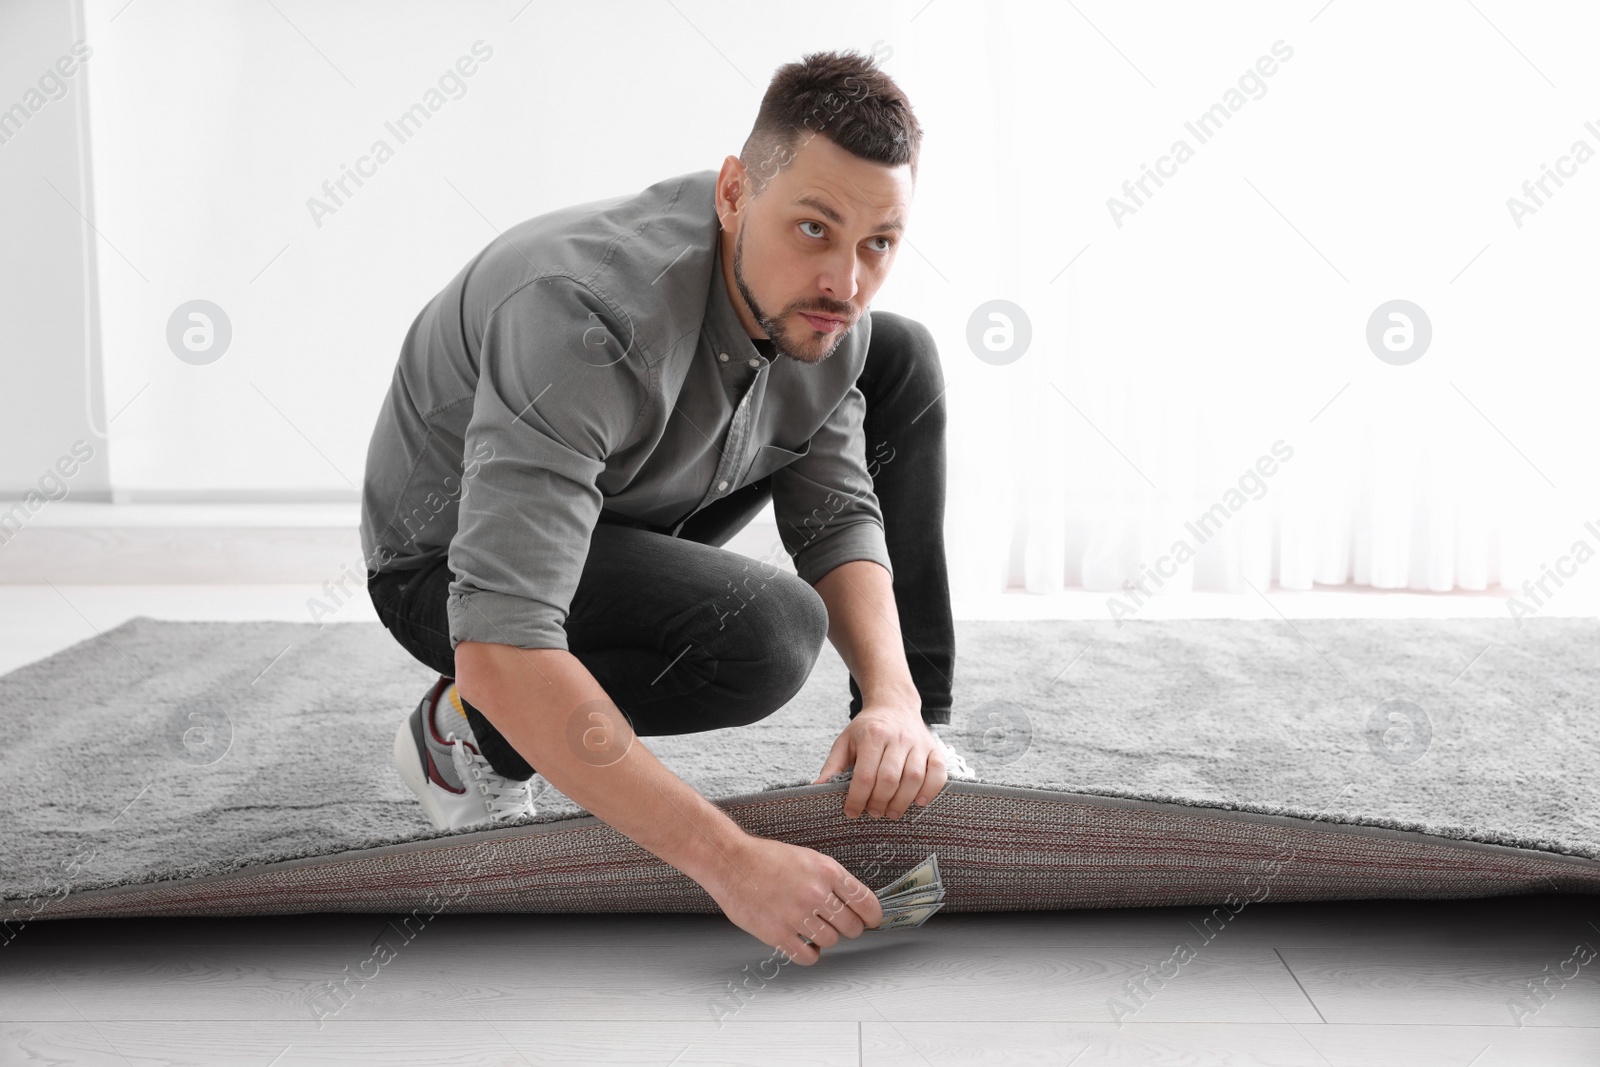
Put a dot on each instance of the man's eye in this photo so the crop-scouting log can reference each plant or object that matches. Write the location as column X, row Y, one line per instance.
column 888, row 243
column 810, row 222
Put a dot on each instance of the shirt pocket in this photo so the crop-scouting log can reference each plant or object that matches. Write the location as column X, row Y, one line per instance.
column 770, row 458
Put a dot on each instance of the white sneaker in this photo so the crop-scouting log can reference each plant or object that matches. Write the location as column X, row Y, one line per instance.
column 455, row 783
column 956, row 767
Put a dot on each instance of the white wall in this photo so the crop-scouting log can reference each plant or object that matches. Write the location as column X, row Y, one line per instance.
column 50, row 396
column 226, row 119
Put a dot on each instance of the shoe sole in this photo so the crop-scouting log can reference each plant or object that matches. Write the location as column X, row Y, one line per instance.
column 408, row 747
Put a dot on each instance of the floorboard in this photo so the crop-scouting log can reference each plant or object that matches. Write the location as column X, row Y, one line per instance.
column 1341, row 983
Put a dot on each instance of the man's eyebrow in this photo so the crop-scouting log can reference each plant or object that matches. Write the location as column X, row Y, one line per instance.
column 837, row 219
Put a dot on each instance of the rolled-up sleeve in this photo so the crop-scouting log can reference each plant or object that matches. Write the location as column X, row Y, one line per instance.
column 826, row 510
column 555, row 396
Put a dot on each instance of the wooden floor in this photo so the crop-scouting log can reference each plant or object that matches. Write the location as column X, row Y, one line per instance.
column 1405, row 983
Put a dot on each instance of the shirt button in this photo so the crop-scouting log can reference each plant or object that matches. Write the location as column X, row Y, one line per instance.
column 722, row 485
column 723, row 356
column 755, row 363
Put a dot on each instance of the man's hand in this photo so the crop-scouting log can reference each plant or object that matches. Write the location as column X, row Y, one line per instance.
column 896, row 758
column 792, row 898
column 895, row 755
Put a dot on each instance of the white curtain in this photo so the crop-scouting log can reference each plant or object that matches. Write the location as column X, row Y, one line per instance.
column 1227, row 316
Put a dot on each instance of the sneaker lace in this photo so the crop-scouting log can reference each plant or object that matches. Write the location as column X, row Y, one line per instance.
column 956, row 765
column 502, row 797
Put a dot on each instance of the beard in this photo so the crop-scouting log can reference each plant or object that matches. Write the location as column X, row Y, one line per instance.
column 803, row 343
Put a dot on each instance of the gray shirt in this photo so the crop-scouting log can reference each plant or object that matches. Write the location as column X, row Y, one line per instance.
column 589, row 359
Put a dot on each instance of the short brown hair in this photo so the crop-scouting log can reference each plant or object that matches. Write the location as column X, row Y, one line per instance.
column 842, row 95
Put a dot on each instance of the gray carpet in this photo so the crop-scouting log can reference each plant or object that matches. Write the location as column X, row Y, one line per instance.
column 168, row 750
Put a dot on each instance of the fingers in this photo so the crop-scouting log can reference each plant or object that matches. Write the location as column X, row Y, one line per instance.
column 842, row 918
column 866, row 777
column 819, row 929
column 891, row 775
column 846, row 923
column 863, row 909
column 938, row 774
column 836, row 918
column 838, row 759
column 890, row 770
column 797, row 950
column 911, row 779
column 844, row 912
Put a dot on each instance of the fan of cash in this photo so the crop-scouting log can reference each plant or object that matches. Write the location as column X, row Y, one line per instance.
column 909, row 900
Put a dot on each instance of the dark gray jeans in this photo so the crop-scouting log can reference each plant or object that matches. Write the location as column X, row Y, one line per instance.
column 686, row 636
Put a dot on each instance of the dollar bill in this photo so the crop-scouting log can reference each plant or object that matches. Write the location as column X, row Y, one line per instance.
column 911, row 899
column 930, row 895
column 923, row 874
column 907, row 918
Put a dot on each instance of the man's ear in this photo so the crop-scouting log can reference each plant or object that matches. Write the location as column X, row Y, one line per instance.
column 733, row 189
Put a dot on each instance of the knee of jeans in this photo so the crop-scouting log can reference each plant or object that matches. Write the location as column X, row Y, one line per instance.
column 784, row 629
column 806, row 623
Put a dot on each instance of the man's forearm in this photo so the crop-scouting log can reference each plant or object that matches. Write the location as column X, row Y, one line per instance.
column 864, row 625
column 553, row 712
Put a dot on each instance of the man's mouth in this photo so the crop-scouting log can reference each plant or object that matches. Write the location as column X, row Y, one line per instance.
column 823, row 323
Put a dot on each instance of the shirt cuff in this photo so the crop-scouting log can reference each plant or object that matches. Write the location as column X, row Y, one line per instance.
column 859, row 540
column 502, row 619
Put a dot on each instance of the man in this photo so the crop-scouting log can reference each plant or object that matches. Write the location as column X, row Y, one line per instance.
column 595, row 404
